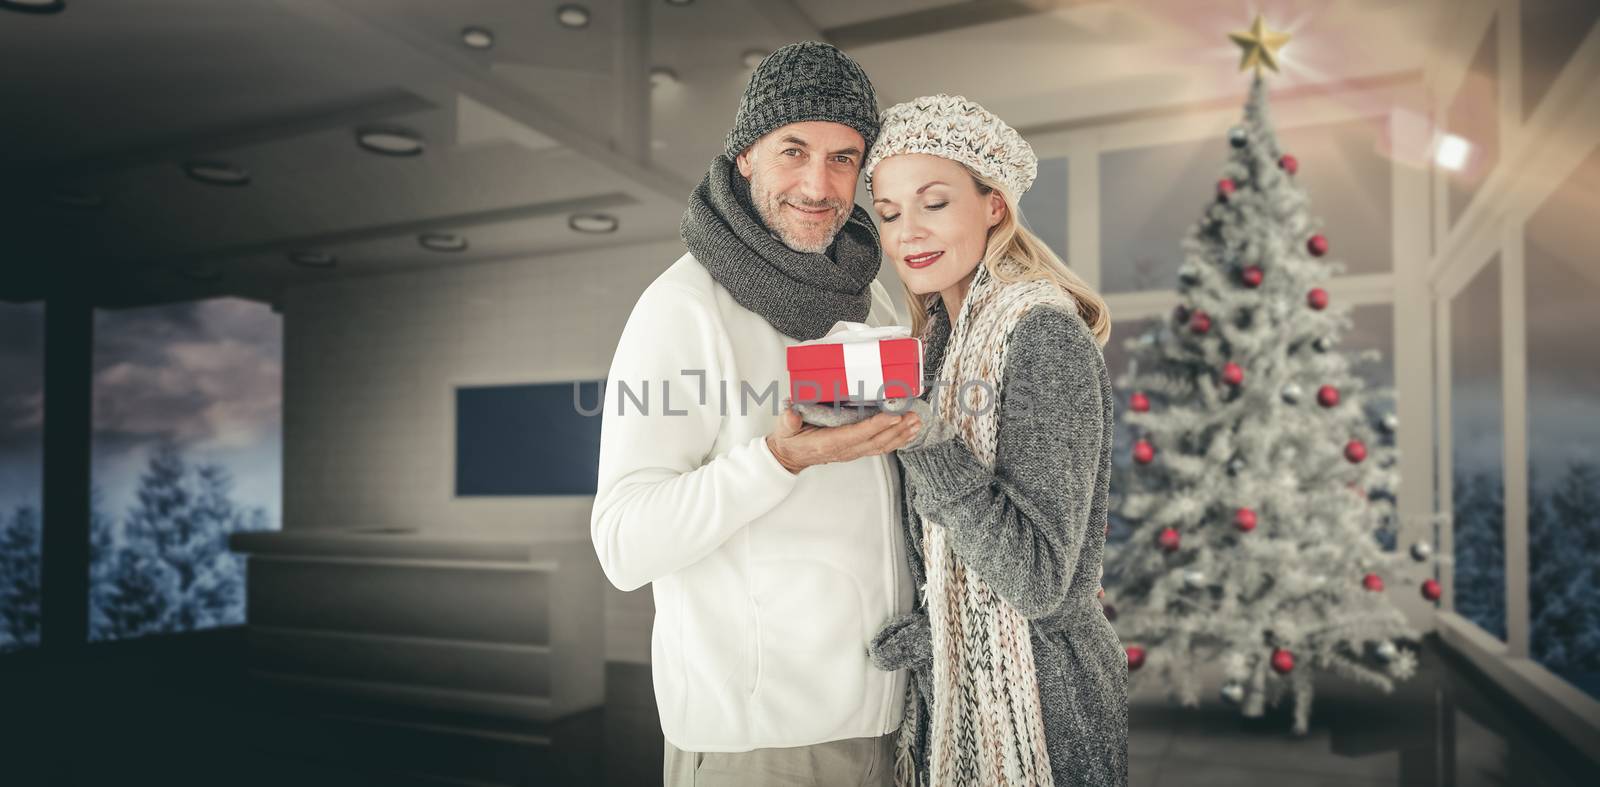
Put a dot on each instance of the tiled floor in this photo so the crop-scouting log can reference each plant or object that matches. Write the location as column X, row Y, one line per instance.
column 171, row 722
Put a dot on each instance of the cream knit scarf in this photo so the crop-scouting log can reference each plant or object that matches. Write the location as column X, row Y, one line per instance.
column 987, row 725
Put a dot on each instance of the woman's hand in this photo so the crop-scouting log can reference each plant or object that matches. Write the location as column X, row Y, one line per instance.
column 902, row 643
column 934, row 429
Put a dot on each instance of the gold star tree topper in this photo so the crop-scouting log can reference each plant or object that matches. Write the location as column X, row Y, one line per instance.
column 1260, row 46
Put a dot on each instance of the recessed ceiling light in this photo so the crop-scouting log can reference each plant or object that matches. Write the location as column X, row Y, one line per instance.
column 573, row 16
column 753, row 57
column 390, row 141
column 217, row 173
column 77, row 198
column 661, row 76
column 313, row 259
column 477, row 37
column 34, row 6
column 679, row 3
column 593, row 223
column 442, row 241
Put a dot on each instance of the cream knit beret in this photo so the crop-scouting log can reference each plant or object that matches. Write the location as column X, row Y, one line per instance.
column 955, row 128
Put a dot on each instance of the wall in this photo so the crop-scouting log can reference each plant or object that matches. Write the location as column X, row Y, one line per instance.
column 370, row 365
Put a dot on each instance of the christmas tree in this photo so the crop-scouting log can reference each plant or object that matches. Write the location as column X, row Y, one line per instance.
column 1262, row 480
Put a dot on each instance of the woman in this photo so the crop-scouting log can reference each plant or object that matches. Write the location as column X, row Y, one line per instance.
column 1019, row 678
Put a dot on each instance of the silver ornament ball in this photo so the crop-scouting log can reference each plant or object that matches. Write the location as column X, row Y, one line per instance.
column 1421, row 551
column 1391, row 423
column 1291, row 393
column 1194, row 579
column 1387, row 651
column 1232, row 693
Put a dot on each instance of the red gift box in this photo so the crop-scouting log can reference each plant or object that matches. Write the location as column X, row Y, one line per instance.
column 851, row 365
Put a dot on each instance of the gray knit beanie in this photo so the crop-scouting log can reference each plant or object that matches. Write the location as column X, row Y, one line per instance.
column 805, row 81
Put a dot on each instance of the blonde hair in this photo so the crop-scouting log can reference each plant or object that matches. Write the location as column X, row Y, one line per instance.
column 1010, row 239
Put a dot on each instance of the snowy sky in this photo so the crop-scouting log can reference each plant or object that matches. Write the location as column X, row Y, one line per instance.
column 206, row 376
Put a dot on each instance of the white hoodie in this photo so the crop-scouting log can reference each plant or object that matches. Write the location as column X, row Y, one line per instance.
column 768, row 585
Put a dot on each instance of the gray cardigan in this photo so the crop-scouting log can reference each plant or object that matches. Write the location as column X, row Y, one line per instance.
column 1034, row 529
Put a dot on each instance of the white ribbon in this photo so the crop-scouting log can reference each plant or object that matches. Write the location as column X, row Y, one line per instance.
column 863, row 359
column 845, row 331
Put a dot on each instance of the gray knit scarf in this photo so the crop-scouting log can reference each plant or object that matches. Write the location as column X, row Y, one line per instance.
column 802, row 295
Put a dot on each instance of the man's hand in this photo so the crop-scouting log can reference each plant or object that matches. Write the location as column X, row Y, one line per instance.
column 798, row 445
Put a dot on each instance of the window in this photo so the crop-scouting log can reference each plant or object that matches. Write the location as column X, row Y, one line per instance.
column 1563, row 286
column 186, row 449
column 1044, row 206
column 1477, row 444
column 1345, row 174
column 21, row 478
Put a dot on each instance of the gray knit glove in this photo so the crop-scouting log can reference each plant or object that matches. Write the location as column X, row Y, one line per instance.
column 903, row 642
column 835, row 413
column 934, row 429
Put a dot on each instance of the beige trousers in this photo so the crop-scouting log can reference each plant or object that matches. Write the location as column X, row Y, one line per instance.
column 856, row 762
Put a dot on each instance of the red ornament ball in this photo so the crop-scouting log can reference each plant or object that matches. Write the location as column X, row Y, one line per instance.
column 1431, row 589
column 1200, row 322
column 1244, row 519
column 1251, row 276
column 1289, row 164
column 1372, row 582
column 1225, row 188
column 1143, row 452
column 1317, row 245
column 1282, row 661
column 1328, row 396
column 1232, row 373
column 1168, row 539
column 1355, row 451
column 1317, row 298
column 1139, row 402
column 1135, row 657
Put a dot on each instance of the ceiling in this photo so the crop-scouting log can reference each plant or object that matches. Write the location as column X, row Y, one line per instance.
column 106, row 101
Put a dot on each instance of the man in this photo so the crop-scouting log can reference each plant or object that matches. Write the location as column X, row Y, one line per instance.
column 774, row 548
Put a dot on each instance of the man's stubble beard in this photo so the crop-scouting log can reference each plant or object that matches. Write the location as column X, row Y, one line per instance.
column 770, row 208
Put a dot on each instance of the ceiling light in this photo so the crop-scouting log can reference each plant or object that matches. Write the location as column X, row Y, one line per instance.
column 573, row 16
column 753, row 57
column 1452, row 152
column 77, row 198
column 34, row 6
column 442, row 241
column 593, row 223
column 661, row 76
column 679, row 3
column 390, row 141
column 313, row 259
column 217, row 173
column 477, row 38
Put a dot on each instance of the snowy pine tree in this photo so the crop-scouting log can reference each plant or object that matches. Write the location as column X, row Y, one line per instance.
column 20, row 596
column 171, row 569
column 1259, row 481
